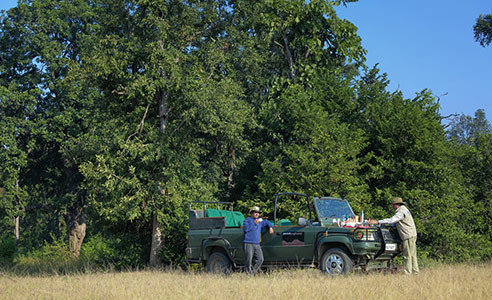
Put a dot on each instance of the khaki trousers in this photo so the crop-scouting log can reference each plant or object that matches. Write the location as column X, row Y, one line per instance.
column 410, row 256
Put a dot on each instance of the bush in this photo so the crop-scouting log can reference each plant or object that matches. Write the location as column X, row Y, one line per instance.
column 97, row 253
column 7, row 249
column 114, row 252
column 54, row 258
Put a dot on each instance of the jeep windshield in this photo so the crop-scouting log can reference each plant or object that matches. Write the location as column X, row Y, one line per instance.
column 332, row 208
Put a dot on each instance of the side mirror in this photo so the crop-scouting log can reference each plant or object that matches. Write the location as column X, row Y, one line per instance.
column 302, row 222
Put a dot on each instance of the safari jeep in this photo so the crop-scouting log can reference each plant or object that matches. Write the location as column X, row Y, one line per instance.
column 215, row 238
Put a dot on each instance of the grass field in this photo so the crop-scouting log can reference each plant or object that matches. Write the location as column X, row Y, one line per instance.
column 442, row 282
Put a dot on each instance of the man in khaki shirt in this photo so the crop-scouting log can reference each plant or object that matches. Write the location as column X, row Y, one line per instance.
column 407, row 231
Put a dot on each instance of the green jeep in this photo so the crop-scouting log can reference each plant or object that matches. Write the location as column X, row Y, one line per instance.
column 215, row 239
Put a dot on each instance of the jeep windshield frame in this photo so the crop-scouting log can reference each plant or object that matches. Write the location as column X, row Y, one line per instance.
column 329, row 209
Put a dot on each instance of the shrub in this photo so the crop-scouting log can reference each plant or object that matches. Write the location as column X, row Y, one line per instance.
column 54, row 258
column 7, row 249
column 115, row 252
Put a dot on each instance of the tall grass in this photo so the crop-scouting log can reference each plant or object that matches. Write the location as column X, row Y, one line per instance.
column 444, row 282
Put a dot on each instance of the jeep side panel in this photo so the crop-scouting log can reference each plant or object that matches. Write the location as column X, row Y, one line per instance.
column 228, row 240
column 294, row 244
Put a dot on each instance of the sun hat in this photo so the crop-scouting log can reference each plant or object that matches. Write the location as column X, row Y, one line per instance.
column 254, row 208
column 398, row 200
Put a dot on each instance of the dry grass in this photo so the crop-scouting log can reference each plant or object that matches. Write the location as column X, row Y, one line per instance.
column 443, row 282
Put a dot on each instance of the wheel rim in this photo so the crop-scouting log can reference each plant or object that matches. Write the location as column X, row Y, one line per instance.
column 218, row 266
column 334, row 265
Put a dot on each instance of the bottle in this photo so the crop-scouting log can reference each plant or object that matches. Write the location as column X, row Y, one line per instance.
column 362, row 217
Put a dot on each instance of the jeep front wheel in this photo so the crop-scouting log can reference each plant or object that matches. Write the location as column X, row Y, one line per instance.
column 336, row 262
column 218, row 263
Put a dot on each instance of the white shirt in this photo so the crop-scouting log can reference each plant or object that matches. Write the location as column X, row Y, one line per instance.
column 396, row 218
column 404, row 223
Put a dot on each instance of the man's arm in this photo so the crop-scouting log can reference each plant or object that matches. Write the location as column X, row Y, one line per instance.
column 247, row 225
column 269, row 225
column 396, row 218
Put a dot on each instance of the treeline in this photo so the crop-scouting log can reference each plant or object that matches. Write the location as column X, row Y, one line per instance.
column 114, row 114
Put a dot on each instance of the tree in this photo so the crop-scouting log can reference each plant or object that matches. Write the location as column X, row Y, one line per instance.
column 309, row 150
column 483, row 30
column 465, row 130
column 16, row 145
column 296, row 49
column 470, row 138
column 18, row 101
column 173, row 117
column 115, row 113
column 406, row 155
column 47, row 38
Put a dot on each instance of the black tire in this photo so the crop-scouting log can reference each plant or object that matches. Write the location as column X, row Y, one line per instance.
column 218, row 263
column 336, row 262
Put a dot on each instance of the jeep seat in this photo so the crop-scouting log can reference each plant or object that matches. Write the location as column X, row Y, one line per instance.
column 239, row 217
column 285, row 222
column 212, row 212
column 229, row 217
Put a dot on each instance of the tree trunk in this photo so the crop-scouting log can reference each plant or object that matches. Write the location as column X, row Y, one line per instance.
column 16, row 228
column 292, row 74
column 157, row 227
column 232, row 165
column 16, row 218
column 76, row 226
column 157, row 243
column 163, row 120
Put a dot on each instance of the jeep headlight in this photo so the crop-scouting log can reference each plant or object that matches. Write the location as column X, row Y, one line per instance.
column 364, row 235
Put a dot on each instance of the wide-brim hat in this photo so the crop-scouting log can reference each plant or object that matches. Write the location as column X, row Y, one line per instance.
column 254, row 208
column 398, row 200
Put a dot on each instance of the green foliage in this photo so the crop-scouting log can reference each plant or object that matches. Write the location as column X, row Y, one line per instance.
column 51, row 258
column 465, row 130
column 116, row 112
column 118, row 252
column 472, row 157
column 8, row 249
column 318, row 153
column 483, row 30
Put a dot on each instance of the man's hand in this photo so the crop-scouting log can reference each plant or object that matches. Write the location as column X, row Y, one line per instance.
column 373, row 222
column 271, row 230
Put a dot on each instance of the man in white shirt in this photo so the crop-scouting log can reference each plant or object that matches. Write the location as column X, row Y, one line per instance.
column 407, row 231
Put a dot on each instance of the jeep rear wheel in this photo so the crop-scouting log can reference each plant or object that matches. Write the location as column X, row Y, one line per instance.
column 336, row 262
column 218, row 263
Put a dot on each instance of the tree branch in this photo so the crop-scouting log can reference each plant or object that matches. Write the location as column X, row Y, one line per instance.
column 33, row 207
column 292, row 73
column 117, row 92
column 140, row 126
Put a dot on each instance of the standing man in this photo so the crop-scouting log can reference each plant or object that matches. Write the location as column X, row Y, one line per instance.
column 252, row 234
column 407, row 231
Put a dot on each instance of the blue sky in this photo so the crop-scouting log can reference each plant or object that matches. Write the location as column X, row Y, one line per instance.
column 424, row 44
column 428, row 44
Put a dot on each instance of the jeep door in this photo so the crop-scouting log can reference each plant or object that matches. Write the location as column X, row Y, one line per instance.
column 293, row 244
